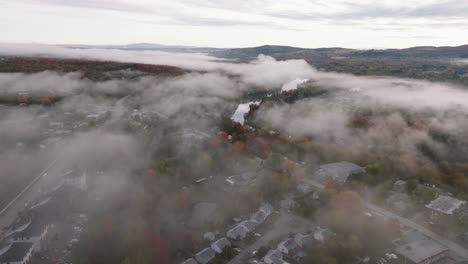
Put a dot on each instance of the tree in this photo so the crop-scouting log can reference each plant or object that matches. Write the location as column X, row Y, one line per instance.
column 373, row 169
column 411, row 185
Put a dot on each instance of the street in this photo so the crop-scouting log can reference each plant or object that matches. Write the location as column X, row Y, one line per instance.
column 25, row 196
column 405, row 221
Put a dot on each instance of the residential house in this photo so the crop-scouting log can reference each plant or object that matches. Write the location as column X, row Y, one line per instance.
column 302, row 240
column 239, row 232
column 205, row 256
column 219, row 245
column 322, row 234
column 267, row 209
column 249, row 225
column 338, row 172
column 443, row 208
column 288, row 247
column 274, row 257
column 190, row 261
column 258, row 217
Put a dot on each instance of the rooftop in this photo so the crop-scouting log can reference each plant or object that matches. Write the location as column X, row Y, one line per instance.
column 190, row 261
column 419, row 251
column 288, row 244
column 205, row 256
column 238, row 232
column 219, row 245
column 445, row 204
column 339, row 171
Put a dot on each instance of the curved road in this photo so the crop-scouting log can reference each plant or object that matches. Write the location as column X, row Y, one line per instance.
column 28, row 194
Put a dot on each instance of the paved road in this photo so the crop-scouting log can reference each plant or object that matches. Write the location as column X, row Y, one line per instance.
column 282, row 227
column 28, row 194
column 405, row 221
column 444, row 241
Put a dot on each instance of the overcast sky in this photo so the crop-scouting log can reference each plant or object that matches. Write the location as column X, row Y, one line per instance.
column 237, row 23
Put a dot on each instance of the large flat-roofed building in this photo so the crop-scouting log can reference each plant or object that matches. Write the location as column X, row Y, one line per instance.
column 422, row 252
column 443, row 208
column 339, row 171
column 445, row 204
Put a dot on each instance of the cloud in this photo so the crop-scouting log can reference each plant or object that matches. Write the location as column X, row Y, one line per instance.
column 110, row 5
column 264, row 71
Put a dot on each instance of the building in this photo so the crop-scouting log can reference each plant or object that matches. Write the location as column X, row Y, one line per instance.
column 444, row 207
column 190, row 261
column 16, row 253
column 422, row 252
column 322, row 234
column 249, row 225
column 339, row 171
column 288, row 247
column 267, row 209
column 205, row 256
column 274, row 257
column 302, row 240
column 219, row 245
column 238, row 232
column 258, row 217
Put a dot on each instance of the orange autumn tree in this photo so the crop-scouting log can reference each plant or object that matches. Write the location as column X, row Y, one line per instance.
column 347, row 212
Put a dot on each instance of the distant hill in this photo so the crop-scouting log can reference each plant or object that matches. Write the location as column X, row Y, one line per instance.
column 286, row 52
column 148, row 46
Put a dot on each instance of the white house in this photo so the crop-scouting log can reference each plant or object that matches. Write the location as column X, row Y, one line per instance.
column 205, row 256
column 274, row 257
column 339, row 171
column 238, row 232
column 219, row 245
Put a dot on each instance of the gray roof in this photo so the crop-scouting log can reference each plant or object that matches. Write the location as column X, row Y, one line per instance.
column 258, row 217
column 237, row 233
column 249, row 225
column 190, row 261
column 445, row 204
column 288, row 244
column 266, row 208
column 205, row 256
column 421, row 250
column 219, row 245
column 274, row 257
column 339, row 171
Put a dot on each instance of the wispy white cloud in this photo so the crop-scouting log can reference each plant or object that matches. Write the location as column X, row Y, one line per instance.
column 237, row 23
